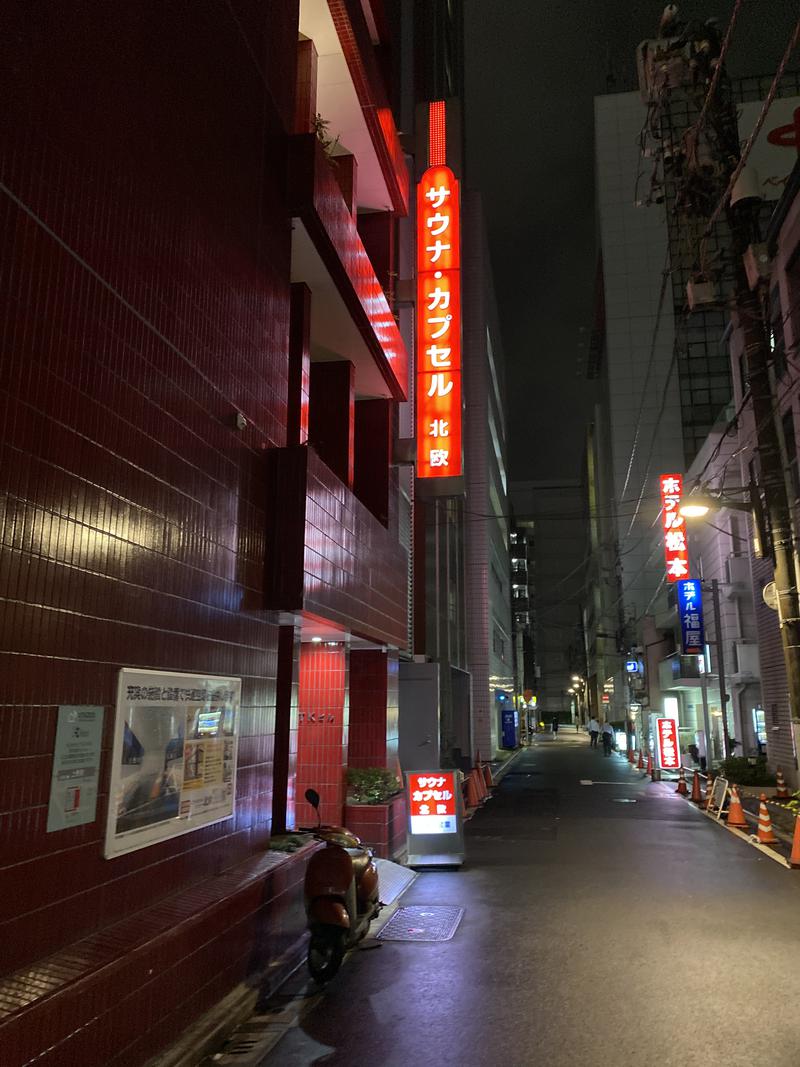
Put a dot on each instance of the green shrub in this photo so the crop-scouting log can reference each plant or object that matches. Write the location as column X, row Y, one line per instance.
column 742, row 770
column 372, row 785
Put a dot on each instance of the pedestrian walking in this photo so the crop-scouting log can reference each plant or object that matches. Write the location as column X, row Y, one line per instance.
column 554, row 724
column 594, row 730
column 608, row 738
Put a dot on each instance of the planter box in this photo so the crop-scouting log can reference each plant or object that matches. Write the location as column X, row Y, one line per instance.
column 382, row 827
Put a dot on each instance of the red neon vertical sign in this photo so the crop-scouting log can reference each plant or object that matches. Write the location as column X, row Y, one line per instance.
column 669, row 751
column 438, row 324
column 676, row 552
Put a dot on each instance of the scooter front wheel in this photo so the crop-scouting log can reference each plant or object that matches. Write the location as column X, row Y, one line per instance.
column 326, row 952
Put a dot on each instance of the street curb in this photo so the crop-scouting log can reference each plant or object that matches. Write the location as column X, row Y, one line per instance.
column 502, row 770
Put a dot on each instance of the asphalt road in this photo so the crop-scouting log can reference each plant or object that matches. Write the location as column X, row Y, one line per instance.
column 595, row 932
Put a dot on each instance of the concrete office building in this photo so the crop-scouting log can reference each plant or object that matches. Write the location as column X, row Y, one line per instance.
column 558, row 513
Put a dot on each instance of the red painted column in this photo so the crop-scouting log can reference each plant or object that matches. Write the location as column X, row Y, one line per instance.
column 373, row 708
column 373, row 456
column 299, row 365
column 322, row 730
column 331, row 416
column 286, row 699
column 305, row 109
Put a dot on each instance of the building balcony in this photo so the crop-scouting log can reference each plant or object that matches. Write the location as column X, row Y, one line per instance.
column 679, row 672
column 350, row 315
column 351, row 97
column 330, row 558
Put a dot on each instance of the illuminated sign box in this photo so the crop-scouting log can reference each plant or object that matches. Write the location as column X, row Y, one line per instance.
column 690, row 612
column 438, row 325
column 432, row 803
column 435, row 818
column 669, row 753
column 676, row 552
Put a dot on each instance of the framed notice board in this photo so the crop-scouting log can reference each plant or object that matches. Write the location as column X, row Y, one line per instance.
column 173, row 766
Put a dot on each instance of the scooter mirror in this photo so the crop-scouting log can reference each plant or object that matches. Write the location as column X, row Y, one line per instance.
column 312, row 796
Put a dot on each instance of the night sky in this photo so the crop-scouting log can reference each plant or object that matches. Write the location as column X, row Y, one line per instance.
column 532, row 71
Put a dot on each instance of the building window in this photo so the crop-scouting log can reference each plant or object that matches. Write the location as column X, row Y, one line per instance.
column 499, row 644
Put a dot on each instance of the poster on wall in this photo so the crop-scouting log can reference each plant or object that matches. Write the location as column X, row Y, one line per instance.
column 173, row 766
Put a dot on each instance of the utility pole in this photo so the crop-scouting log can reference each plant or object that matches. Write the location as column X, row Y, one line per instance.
column 772, row 477
column 723, row 693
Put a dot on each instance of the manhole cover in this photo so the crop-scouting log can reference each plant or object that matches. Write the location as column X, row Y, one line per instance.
column 422, row 922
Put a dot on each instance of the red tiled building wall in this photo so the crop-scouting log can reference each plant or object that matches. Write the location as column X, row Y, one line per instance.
column 322, row 731
column 145, row 274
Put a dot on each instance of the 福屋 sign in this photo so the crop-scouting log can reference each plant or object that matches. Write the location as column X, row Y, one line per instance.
column 669, row 753
column 438, row 325
column 676, row 551
column 690, row 612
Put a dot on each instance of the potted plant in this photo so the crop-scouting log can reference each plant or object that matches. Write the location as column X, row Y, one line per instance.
column 376, row 809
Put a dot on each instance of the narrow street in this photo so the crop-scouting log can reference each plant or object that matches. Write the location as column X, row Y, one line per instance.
column 603, row 924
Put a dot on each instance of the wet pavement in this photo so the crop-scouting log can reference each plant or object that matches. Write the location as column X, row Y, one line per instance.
column 603, row 924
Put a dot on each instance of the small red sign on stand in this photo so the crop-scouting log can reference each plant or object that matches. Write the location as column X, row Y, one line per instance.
column 435, row 819
column 669, row 752
column 432, row 802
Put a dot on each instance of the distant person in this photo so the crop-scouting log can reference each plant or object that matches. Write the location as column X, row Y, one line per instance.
column 594, row 732
column 700, row 742
column 608, row 738
column 554, row 725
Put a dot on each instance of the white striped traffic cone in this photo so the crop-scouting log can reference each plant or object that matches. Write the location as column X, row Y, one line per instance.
column 765, row 833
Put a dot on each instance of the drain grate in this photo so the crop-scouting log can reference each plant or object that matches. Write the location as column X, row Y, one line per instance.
column 422, row 922
column 250, row 1044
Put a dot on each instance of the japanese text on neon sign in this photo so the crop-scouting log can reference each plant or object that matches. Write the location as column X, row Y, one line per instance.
column 690, row 610
column 676, row 551
column 669, row 754
column 438, row 325
column 432, row 803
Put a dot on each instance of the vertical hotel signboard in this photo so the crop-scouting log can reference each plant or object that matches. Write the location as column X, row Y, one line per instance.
column 690, row 612
column 669, row 751
column 676, row 551
column 438, row 378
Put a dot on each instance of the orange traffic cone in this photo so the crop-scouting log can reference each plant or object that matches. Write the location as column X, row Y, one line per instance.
column 735, row 811
column 479, row 783
column 709, row 791
column 782, row 791
column 473, row 800
column 487, row 777
column 640, row 764
column 683, row 788
column 631, row 755
column 765, row 834
column 696, row 798
column 794, row 859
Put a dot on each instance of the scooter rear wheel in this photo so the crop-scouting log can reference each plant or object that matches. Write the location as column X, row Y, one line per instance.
column 326, row 952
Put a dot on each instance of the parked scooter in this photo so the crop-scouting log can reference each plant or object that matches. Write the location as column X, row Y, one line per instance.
column 341, row 894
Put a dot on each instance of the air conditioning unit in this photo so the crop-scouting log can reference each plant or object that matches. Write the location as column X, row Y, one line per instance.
column 746, row 666
column 738, row 583
column 700, row 294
